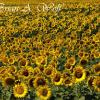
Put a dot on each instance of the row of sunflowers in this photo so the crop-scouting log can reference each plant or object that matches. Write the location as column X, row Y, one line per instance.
column 51, row 55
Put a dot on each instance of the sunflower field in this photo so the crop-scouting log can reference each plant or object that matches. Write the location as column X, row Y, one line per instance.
column 51, row 52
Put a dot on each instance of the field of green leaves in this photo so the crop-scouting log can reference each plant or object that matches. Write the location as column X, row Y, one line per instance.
column 50, row 51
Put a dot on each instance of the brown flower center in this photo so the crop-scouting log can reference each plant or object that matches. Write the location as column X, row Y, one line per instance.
column 48, row 72
column 23, row 62
column 31, row 82
column 78, row 73
column 97, row 68
column 41, row 68
column 66, row 75
column 83, row 62
column 25, row 73
column 80, row 54
column 57, row 78
column 87, row 73
column 9, row 81
column 41, row 81
column 90, row 82
column 68, row 66
column 44, row 92
column 19, row 90
column 11, row 60
column 67, row 81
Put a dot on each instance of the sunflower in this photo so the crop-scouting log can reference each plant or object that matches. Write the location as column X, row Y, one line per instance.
column 68, row 67
column 68, row 81
column 20, row 90
column 41, row 68
column 71, row 60
column 96, row 68
column 83, row 61
column 96, row 83
column 8, row 80
column 49, row 71
column 30, row 82
column 79, row 74
column 3, row 71
column 57, row 78
column 39, row 81
column 23, row 62
column 88, row 72
column 19, row 50
column 44, row 93
column 81, row 54
column 66, row 74
column 25, row 72
column 90, row 81
column 12, row 59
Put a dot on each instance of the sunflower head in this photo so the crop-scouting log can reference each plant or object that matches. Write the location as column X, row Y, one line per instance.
column 9, row 80
column 96, row 68
column 30, row 82
column 20, row 90
column 68, row 81
column 23, row 62
column 44, row 93
column 83, row 61
column 41, row 68
column 79, row 74
column 90, row 81
column 49, row 71
column 25, row 72
column 39, row 81
column 80, row 54
column 96, row 84
column 66, row 74
column 71, row 61
column 68, row 67
column 88, row 73
column 57, row 78
column 11, row 60
column 3, row 71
